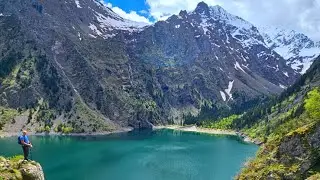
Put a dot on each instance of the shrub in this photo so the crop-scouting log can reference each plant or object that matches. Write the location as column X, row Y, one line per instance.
column 312, row 104
column 47, row 129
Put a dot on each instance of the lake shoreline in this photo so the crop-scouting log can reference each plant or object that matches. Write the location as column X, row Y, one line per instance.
column 12, row 134
column 194, row 128
column 199, row 130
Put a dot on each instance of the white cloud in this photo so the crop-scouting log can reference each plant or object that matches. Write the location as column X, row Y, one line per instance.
column 144, row 12
column 300, row 15
column 132, row 15
column 161, row 9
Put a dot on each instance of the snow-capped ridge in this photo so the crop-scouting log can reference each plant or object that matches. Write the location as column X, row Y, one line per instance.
column 106, row 22
column 241, row 30
column 298, row 49
column 219, row 14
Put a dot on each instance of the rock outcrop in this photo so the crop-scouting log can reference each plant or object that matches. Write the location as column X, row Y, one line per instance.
column 17, row 169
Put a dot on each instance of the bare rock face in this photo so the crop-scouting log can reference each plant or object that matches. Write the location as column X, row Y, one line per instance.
column 31, row 171
column 302, row 149
column 17, row 169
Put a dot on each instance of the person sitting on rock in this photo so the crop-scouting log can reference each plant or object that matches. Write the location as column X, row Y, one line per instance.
column 26, row 144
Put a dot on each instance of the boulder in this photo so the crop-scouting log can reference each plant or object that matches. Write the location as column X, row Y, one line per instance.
column 17, row 169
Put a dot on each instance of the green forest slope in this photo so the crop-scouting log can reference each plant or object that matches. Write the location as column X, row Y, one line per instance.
column 289, row 128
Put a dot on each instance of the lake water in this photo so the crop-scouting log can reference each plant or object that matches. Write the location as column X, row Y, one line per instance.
column 146, row 155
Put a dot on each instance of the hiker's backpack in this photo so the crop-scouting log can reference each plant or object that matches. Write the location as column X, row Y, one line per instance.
column 19, row 140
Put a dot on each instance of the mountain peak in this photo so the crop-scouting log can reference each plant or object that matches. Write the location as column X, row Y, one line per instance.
column 217, row 9
column 220, row 14
column 205, row 9
column 183, row 13
column 202, row 8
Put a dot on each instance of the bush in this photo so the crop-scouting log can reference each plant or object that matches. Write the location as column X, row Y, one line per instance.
column 63, row 129
column 67, row 130
column 47, row 129
column 312, row 104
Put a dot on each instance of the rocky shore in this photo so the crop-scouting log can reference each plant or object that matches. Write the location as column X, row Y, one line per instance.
column 16, row 168
column 248, row 139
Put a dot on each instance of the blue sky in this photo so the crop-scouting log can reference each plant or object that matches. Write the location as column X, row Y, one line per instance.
column 299, row 15
column 140, row 7
column 132, row 5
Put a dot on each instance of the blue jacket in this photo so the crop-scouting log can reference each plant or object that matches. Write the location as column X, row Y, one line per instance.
column 25, row 139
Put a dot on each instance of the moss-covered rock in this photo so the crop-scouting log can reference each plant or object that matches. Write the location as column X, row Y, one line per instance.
column 16, row 169
column 314, row 177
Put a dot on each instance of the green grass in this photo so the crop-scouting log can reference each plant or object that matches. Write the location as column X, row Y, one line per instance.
column 16, row 158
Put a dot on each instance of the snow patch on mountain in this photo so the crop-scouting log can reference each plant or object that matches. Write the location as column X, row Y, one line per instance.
column 223, row 95
column 78, row 3
column 228, row 90
column 283, row 86
column 95, row 29
column 205, row 26
column 79, row 36
column 238, row 67
column 302, row 65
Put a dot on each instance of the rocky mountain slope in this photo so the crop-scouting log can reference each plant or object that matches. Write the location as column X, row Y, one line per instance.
column 77, row 65
column 298, row 49
column 290, row 130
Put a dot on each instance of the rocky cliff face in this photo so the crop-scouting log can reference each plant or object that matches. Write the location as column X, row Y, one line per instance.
column 16, row 169
column 79, row 64
column 293, row 158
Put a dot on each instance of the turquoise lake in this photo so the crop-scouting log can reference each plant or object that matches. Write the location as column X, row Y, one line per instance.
column 145, row 155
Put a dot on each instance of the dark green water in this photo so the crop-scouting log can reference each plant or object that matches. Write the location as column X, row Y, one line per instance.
column 156, row 155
